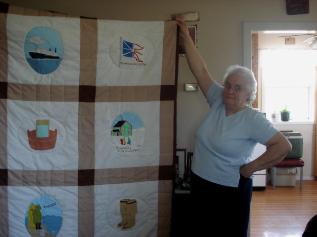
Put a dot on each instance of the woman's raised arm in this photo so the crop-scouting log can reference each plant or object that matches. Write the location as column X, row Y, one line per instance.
column 196, row 63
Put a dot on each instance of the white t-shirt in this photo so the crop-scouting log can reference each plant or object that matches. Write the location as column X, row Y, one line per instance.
column 224, row 143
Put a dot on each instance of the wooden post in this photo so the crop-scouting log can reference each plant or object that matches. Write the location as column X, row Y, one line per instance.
column 255, row 67
column 315, row 128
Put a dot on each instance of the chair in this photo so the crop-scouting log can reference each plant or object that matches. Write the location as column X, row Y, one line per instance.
column 288, row 163
column 293, row 158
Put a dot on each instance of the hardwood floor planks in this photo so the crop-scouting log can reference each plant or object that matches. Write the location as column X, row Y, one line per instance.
column 283, row 211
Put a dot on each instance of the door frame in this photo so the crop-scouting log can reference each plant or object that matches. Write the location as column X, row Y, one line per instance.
column 250, row 27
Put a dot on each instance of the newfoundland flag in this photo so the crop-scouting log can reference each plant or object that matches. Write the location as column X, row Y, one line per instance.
column 131, row 53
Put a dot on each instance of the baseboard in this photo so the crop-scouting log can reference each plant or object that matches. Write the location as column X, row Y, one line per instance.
column 259, row 188
column 307, row 178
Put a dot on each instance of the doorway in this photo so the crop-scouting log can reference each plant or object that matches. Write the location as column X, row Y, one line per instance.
column 250, row 60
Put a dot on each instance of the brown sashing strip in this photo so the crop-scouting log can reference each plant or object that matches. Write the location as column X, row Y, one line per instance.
column 86, row 136
column 4, row 214
column 166, row 172
column 166, row 132
column 86, row 177
column 3, row 90
column 126, row 175
column 167, row 129
column 127, row 93
column 168, row 92
column 86, row 211
column 4, row 7
column 3, row 135
column 60, row 93
column 88, row 51
column 42, row 178
column 3, row 177
column 165, row 189
column 135, row 93
column 166, row 175
column 85, row 93
column 4, row 222
column 82, row 177
column 169, row 53
column 86, row 126
column 3, row 48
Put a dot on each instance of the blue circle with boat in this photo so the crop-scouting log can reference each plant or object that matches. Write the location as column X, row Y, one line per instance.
column 43, row 48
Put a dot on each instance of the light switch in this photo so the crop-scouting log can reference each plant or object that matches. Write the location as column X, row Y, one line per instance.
column 191, row 87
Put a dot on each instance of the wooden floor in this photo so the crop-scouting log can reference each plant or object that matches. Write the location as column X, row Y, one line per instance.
column 283, row 211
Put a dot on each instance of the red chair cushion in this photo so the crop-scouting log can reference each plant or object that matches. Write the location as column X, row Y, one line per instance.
column 290, row 163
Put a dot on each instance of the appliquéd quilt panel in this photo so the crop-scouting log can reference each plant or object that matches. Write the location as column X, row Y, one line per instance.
column 87, row 121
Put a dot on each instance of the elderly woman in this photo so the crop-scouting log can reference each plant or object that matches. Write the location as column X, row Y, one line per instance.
column 221, row 169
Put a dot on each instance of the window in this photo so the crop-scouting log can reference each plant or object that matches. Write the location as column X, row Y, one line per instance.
column 288, row 80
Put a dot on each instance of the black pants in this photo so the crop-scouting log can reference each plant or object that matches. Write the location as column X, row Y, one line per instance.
column 220, row 210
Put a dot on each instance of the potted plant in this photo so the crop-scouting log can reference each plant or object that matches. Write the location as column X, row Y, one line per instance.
column 285, row 114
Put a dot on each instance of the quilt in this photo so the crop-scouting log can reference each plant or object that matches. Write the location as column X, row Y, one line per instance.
column 87, row 125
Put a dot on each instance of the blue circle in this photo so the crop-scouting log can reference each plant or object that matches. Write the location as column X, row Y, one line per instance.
column 43, row 49
column 131, row 117
column 44, row 214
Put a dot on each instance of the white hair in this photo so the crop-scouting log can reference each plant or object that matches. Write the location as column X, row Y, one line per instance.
column 248, row 75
